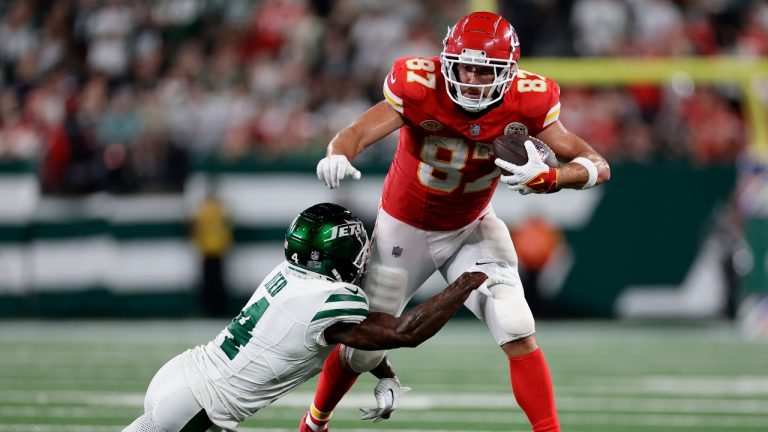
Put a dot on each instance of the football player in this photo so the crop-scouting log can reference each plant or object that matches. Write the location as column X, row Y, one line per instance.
column 302, row 309
column 435, row 211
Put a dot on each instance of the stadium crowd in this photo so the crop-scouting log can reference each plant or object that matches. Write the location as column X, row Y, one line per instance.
column 128, row 95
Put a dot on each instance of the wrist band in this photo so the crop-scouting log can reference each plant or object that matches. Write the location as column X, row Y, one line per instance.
column 591, row 170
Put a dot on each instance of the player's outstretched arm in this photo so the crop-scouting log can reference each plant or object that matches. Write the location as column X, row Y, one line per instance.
column 376, row 123
column 373, row 125
column 381, row 331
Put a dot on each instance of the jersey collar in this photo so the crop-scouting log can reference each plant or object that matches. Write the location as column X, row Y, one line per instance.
column 305, row 274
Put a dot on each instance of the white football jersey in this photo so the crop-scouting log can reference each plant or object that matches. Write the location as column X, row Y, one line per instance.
column 275, row 344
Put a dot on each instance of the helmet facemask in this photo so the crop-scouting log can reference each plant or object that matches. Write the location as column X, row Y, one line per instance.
column 504, row 73
column 480, row 39
column 345, row 271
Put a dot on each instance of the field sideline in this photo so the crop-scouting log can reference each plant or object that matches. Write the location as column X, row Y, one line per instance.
column 90, row 376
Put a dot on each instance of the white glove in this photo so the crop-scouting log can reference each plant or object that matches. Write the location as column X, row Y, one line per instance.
column 387, row 393
column 334, row 168
column 522, row 174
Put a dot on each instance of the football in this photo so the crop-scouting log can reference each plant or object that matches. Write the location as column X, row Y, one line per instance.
column 511, row 148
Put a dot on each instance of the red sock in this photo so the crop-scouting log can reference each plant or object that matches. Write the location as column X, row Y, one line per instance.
column 335, row 381
column 532, row 387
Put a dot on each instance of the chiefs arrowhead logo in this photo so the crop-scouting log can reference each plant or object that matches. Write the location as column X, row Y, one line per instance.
column 515, row 128
column 432, row 125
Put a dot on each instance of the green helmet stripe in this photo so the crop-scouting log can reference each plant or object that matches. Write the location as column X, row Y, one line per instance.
column 345, row 297
column 340, row 312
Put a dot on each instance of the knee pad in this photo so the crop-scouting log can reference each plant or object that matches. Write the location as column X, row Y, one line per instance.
column 362, row 361
column 511, row 309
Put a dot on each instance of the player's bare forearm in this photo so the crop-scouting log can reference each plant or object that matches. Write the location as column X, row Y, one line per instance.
column 573, row 175
column 383, row 369
column 568, row 146
column 376, row 123
column 382, row 331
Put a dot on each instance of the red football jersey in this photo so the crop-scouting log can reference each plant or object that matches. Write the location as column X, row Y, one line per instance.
column 443, row 174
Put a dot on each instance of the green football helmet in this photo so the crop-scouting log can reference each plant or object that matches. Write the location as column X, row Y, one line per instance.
column 327, row 239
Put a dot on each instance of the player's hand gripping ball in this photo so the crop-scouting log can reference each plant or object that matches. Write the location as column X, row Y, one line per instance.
column 527, row 164
column 511, row 148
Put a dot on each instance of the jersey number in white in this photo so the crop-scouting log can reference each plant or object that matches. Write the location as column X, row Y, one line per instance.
column 443, row 159
column 420, row 64
column 241, row 326
column 528, row 82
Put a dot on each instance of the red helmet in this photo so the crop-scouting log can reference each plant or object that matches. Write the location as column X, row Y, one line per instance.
column 482, row 39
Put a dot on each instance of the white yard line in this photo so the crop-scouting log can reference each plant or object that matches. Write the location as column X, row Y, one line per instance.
column 620, row 419
column 38, row 402
column 96, row 428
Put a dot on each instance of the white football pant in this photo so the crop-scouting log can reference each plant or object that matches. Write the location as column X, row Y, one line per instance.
column 170, row 406
column 403, row 257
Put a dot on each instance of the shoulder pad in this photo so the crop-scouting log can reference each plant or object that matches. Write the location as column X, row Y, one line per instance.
column 537, row 94
column 411, row 79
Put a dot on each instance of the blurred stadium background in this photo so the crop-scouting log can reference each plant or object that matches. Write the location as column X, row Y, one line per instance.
column 149, row 146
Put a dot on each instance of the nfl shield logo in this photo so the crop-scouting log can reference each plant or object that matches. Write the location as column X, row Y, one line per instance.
column 474, row 130
column 397, row 251
column 314, row 255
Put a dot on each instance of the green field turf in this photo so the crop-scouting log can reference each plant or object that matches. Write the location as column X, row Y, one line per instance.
column 90, row 377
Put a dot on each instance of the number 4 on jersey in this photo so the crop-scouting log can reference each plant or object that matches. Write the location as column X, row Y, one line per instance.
column 240, row 328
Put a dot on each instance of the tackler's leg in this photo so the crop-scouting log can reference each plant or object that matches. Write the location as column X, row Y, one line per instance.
column 170, row 406
column 509, row 318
